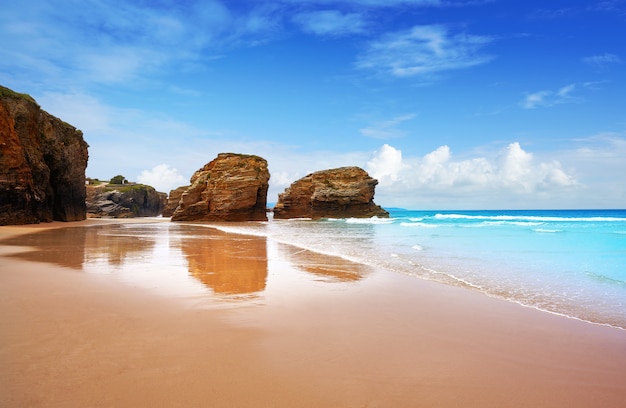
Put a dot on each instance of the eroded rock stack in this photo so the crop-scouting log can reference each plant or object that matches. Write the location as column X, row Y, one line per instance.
column 173, row 199
column 232, row 187
column 42, row 164
column 344, row 192
column 124, row 201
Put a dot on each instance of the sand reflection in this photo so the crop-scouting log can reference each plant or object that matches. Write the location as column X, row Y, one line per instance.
column 180, row 260
column 226, row 263
column 117, row 245
column 325, row 268
column 74, row 247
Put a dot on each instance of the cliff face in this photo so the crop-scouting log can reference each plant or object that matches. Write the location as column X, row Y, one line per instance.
column 124, row 201
column 232, row 187
column 173, row 199
column 42, row 164
column 337, row 193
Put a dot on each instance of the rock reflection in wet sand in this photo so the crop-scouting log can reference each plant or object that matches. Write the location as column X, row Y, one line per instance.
column 324, row 268
column 178, row 259
column 226, row 263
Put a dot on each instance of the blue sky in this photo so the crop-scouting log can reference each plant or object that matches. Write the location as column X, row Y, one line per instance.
column 466, row 104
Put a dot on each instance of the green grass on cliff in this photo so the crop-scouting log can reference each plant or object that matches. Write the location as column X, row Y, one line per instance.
column 9, row 93
column 124, row 188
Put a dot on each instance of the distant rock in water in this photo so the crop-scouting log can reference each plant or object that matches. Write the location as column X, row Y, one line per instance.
column 173, row 199
column 42, row 164
column 232, row 187
column 124, row 201
column 337, row 193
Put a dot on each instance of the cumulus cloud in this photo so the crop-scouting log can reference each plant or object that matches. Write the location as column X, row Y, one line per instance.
column 423, row 51
column 513, row 172
column 162, row 177
column 386, row 164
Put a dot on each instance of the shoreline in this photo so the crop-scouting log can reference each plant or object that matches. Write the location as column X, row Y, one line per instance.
column 447, row 278
column 322, row 332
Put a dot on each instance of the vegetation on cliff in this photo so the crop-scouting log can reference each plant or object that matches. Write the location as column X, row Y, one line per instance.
column 124, row 200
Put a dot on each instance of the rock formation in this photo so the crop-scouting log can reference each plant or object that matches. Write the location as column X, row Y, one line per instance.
column 124, row 201
column 172, row 201
column 42, row 164
column 337, row 193
column 232, row 187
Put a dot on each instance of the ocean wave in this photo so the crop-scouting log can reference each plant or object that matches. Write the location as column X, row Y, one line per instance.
column 539, row 218
column 417, row 247
column 517, row 223
column 418, row 224
column 606, row 279
column 546, row 231
column 373, row 220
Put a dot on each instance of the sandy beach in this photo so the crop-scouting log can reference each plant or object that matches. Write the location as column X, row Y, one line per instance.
column 273, row 326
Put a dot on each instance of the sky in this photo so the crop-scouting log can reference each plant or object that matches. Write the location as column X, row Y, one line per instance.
column 449, row 104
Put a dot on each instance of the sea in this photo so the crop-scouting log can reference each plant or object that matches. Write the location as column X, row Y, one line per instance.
column 566, row 262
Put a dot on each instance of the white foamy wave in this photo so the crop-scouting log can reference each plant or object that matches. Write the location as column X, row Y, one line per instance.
column 418, row 224
column 527, row 218
column 417, row 247
column 517, row 223
column 546, row 231
column 416, row 219
column 236, row 230
column 373, row 220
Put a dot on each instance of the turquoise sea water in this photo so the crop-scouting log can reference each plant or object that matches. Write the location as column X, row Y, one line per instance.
column 569, row 262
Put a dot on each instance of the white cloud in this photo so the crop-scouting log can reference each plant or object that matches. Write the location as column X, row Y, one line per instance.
column 373, row 3
column 117, row 41
column 602, row 60
column 163, row 178
column 386, row 164
column 515, row 167
column 493, row 181
column 548, row 98
column 331, row 22
column 535, row 99
column 423, row 51
column 387, row 129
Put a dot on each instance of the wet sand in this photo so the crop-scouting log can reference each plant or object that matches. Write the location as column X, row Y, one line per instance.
column 202, row 318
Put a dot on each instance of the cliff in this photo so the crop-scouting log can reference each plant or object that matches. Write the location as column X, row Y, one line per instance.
column 232, row 187
column 173, row 199
column 124, row 201
column 42, row 164
column 337, row 193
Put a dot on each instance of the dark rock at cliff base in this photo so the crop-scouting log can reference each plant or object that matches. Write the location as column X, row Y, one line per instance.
column 337, row 193
column 42, row 164
column 173, row 199
column 124, row 201
column 232, row 187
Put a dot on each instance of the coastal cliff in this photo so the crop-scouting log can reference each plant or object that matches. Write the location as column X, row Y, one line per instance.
column 232, row 187
column 344, row 192
column 42, row 164
column 124, row 201
column 172, row 200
